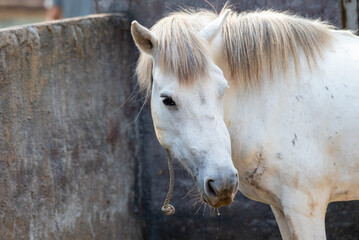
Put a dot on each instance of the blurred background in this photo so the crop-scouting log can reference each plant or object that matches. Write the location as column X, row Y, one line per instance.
column 19, row 12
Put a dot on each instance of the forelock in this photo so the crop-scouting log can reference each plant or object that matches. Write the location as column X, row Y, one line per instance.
column 182, row 52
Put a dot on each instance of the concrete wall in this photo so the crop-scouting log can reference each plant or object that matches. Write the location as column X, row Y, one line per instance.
column 67, row 151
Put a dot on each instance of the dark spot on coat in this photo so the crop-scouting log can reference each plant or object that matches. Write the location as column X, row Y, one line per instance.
column 294, row 139
column 299, row 97
column 203, row 99
column 254, row 176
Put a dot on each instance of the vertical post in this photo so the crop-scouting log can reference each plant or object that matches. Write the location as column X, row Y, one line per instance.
column 96, row 6
column 350, row 14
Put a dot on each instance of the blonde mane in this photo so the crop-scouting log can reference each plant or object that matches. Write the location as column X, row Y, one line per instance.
column 259, row 43
column 255, row 44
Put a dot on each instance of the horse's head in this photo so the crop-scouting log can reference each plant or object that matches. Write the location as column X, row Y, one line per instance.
column 186, row 102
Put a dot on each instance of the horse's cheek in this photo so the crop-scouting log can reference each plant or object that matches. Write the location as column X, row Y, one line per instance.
column 158, row 135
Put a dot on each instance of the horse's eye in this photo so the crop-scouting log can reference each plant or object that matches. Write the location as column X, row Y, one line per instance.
column 168, row 101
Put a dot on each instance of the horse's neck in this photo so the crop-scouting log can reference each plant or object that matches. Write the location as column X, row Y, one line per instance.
column 250, row 112
column 247, row 105
column 320, row 101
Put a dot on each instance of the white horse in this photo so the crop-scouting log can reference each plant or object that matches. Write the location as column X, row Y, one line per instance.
column 269, row 96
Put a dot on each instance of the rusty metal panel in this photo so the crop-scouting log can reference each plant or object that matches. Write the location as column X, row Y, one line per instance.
column 67, row 162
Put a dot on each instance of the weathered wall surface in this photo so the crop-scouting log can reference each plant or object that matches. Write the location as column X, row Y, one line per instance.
column 149, row 11
column 244, row 219
column 67, row 152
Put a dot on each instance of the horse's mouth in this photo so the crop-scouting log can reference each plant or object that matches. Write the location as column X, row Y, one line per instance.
column 218, row 202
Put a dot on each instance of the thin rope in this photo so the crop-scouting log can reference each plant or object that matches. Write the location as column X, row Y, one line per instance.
column 167, row 208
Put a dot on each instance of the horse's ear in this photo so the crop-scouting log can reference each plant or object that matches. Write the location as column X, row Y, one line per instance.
column 211, row 30
column 143, row 38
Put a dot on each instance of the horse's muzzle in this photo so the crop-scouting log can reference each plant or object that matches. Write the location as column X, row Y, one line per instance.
column 220, row 190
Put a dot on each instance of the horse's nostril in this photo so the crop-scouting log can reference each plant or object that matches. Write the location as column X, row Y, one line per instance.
column 210, row 188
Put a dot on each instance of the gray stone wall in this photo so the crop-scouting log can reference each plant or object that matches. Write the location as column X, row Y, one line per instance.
column 67, row 151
